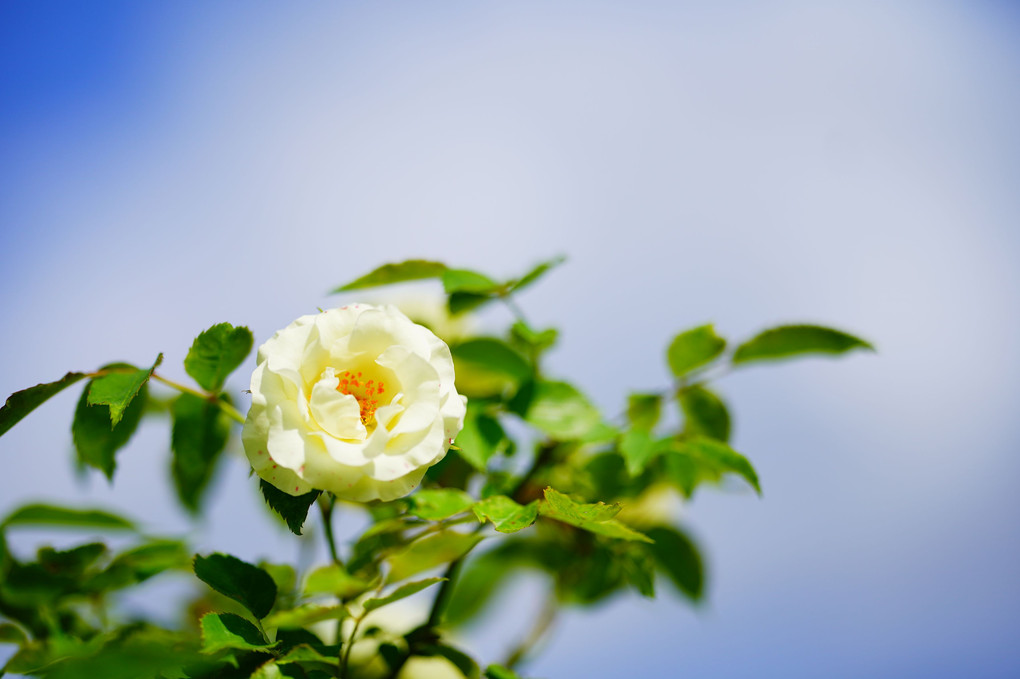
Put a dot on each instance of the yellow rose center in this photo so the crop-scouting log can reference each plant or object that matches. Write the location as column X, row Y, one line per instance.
column 367, row 392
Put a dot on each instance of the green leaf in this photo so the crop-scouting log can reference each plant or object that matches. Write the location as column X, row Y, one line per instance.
column 464, row 663
column 293, row 508
column 793, row 340
column 139, row 564
column 21, row 403
column 246, row 584
column 39, row 515
column 506, row 515
column 228, row 631
column 94, row 440
column 304, row 653
column 70, row 562
column 694, row 348
column 461, row 302
column 560, row 410
column 118, row 389
column 216, row 353
column 639, row 571
column 535, row 273
column 704, row 412
column 644, row 410
column 12, row 634
column 399, row 593
column 440, row 503
column 465, row 280
column 637, row 447
column 594, row 518
column 699, row 459
column 306, row 615
column 533, row 339
column 679, row 558
column 335, row 581
column 500, row 672
column 410, row 270
column 480, row 438
column 430, row 552
column 200, row 433
column 491, row 358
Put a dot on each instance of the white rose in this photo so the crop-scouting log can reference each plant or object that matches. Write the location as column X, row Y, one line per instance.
column 358, row 401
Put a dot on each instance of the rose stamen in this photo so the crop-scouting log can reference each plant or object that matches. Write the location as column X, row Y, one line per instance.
column 365, row 393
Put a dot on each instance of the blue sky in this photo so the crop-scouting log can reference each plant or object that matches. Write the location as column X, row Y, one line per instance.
column 166, row 167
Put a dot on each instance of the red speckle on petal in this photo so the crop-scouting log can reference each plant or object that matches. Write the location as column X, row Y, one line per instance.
column 274, row 466
column 295, row 489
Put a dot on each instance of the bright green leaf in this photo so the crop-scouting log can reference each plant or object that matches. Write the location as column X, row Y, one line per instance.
column 38, row 515
column 704, row 412
column 430, row 552
column 680, row 560
column 533, row 339
column 488, row 358
column 304, row 616
column 594, row 518
column 506, row 515
column 21, row 403
column 535, row 273
column 793, row 340
column 439, row 503
column 410, row 270
column 293, row 508
column 246, row 584
column 94, row 440
column 500, row 672
column 200, row 433
column 465, row 280
column 228, row 631
column 560, row 410
column 304, row 653
column 637, row 448
column 118, row 389
column 335, row 581
column 216, row 353
column 480, row 438
column 643, row 410
column 399, row 593
column 694, row 348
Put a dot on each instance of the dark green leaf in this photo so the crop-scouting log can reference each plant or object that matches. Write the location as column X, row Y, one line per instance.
column 465, row 280
column 637, row 448
column 70, row 562
column 21, row 403
column 430, row 552
column 216, row 353
column 500, row 672
column 560, row 410
column 694, row 348
column 12, row 634
column 466, row 301
column 704, row 412
column 480, row 437
column 639, row 570
column 506, row 515
column 335, row 581
column 38, row 515
column 410, row 270
column 249, row 585
column 228, row 631
column 200, row 433
column 399, row 593
column 118, row 389
column 95, row 442
column 535, row 273
column 440, row 503
column 643, row 410
column 293, row 508
column 699, row 459
column 793, row 340
column 679, row 559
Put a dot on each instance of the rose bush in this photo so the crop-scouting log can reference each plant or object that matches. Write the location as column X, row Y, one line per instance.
column 358, row 401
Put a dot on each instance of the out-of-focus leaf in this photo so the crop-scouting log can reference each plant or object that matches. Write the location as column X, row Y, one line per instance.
column 486, row 365
column 293, row 508
column 38, row 515
column 430, row 552
column 139, row 564
column 535, row 340
column 480, row 437
column 594, row 518
column 464, row 663
column 228, row 631
column 637, row 448
column 467, row 301
column 705, row 414
column 506, row 515
column 692, row 461
column 639, row 570
column 793, row 340
column 694, row 348
column 304, row 616
column 399, row 593
column 535, row 273
column 440, row 503
column 118, row 389
column 560, row 410
column 94, row 440
column 500, row 672
column 679, row 558
column 21, row 403
column 409, row 270
column 200, row 433
column 643, row 410
column 246, row 584
column 305, row 653
column 336, row 581
column 465, row 280
column 216, row 353
column 71, row 562
column 12, row 634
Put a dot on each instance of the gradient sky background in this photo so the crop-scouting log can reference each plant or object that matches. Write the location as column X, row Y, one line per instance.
column 166, row 166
